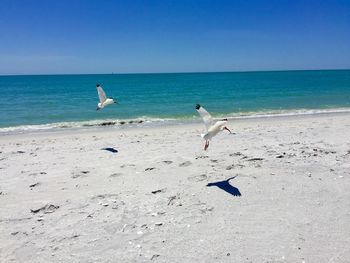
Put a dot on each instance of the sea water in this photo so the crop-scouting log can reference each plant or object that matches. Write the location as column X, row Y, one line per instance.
column 51, row 101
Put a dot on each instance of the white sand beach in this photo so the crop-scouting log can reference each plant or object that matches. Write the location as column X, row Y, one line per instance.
column 162, row 198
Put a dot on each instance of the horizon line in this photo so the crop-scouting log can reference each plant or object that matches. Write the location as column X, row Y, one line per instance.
column 175, row 72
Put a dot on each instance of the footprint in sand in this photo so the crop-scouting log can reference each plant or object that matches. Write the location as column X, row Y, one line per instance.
column 99, row 197
column 230, row 167
column 198, row 178
column 206, row 209
column 174, row 200
column 116, row 175
column 47, row 209
column 185, row 164
column 168, row 162
column 127, row 165
column 80, row 174
column 107, row 200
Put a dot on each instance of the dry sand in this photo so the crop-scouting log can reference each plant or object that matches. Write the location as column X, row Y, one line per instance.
column 161, row 198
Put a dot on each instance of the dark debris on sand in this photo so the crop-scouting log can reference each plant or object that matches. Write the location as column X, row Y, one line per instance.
column 48, row 208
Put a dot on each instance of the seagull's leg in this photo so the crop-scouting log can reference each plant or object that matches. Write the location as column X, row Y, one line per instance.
column 206, row 145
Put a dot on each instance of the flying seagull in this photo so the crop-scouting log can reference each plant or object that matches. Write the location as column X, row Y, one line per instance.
column 104, row 101
column 211, row 127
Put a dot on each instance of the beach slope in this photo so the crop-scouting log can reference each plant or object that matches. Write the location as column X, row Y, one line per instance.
column 275, row 191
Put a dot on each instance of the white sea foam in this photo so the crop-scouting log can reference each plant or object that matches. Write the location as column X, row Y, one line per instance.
column 284, row 113
column 144, row 120
column 84, row 124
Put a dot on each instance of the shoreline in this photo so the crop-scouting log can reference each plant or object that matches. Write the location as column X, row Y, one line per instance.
column 158, row 122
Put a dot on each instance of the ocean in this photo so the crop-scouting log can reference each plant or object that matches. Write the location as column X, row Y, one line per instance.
column 61, row 101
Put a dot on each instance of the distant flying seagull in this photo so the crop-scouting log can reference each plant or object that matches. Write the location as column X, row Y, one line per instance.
column 104, row 101
column 212, row 128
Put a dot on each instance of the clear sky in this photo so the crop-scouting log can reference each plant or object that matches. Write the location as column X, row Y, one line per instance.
column 104, row 36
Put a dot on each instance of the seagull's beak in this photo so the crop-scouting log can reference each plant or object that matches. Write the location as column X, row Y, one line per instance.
column 225, row 128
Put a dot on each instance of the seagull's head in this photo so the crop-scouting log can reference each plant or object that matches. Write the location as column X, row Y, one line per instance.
column 198, row 106
column 98, row 85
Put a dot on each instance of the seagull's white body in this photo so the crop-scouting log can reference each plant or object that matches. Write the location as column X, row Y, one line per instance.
column 104, row 101
column 212, row 129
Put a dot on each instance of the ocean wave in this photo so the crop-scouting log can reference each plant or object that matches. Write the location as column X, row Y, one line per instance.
column 144, row 120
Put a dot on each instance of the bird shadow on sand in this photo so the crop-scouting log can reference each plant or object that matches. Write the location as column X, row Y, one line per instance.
column 226, row 186
column 110, row 149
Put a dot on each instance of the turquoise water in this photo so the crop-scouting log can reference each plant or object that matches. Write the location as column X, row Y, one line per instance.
column 47, row 99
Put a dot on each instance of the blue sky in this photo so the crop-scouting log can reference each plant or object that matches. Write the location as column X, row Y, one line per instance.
column 73, row 36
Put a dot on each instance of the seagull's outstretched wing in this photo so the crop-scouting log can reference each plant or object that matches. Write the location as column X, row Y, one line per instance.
column 101, row 93
column 207, row 119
